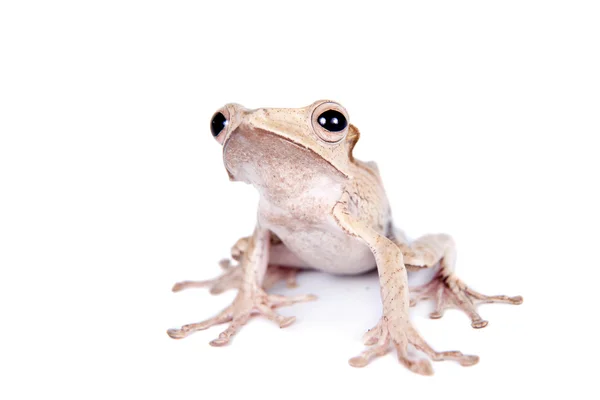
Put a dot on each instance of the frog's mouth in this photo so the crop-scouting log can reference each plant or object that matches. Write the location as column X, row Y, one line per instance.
column 266, row 159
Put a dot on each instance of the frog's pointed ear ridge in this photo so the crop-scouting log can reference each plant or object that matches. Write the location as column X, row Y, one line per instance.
column 352, row 138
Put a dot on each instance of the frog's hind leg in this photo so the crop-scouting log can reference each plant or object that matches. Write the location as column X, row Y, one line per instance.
column 445, row 288
column 231, row 278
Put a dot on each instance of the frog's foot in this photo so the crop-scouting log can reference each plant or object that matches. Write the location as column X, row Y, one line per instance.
column 232, row 278
column 245, row 305
column 276, row 273
column 396, row 333
column 450, row 292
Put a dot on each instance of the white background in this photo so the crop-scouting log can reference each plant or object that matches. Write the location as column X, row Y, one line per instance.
column 483, row 118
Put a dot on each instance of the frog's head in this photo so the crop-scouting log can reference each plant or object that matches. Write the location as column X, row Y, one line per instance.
column 265, row 145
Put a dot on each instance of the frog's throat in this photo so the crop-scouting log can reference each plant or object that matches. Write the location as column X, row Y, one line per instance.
column 257, row 131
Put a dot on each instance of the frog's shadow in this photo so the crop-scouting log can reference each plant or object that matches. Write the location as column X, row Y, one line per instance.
column 354, row 300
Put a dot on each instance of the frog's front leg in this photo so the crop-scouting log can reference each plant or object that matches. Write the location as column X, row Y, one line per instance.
column 394, row 329
column 251, row 298
column 232, row 275
column 445, row 288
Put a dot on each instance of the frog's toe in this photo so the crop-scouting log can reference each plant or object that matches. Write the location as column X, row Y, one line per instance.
column 277, row 300
column 188, row 329
column 233, row 328
column 183, row 285
column 358, row 362
column 421, row 367
column 231, row 278
column 276, row 273
column 372, row 335
column 367, row 355
column 364, row 358
column 176, row 333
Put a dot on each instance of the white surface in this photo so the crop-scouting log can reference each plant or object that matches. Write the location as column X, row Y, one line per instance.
column 483, row 117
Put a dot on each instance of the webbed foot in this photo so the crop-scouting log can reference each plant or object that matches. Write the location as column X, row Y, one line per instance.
column 398, row 334
column 448, row 291
column 248, row 303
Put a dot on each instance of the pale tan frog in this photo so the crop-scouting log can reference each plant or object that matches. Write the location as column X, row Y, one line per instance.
column 320, row 208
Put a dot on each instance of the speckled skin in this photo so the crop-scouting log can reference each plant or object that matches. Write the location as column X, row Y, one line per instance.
column 322, row 209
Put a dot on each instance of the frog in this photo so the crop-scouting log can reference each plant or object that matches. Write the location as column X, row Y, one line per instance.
column 320, row 208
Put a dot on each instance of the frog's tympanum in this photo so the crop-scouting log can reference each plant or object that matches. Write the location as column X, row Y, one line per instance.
column 320, row 208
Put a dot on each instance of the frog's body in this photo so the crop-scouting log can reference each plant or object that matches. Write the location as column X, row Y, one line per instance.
column 321, row 208
column 318, row 241
column 298, row 192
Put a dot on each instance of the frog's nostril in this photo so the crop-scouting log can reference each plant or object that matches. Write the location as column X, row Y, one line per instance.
column 218, row 123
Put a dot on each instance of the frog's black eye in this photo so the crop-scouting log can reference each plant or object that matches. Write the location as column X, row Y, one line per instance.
column 218, row 123
column 332, row 120
column 329, row 121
